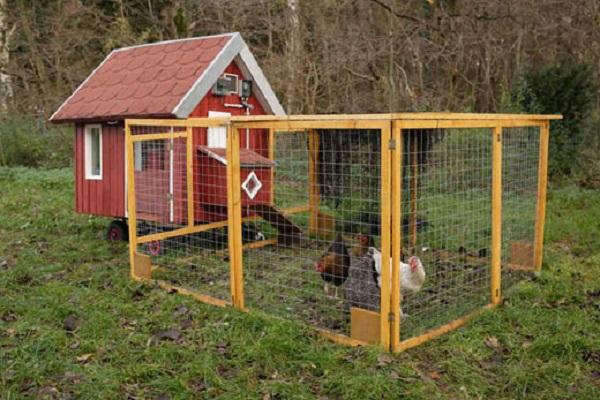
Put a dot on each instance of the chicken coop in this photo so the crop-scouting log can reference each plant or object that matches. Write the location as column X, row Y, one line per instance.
column 304, row 223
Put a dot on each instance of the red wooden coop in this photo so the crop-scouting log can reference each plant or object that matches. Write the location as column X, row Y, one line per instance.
column 212, row 76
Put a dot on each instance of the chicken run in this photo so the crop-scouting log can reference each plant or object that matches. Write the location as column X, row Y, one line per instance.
column 386, row 229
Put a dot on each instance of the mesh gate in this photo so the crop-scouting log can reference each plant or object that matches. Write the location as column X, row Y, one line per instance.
column 379, row 229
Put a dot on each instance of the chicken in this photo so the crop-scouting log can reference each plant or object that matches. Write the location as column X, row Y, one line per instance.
column 362, row 245
column 412, row 275
column 334, row 265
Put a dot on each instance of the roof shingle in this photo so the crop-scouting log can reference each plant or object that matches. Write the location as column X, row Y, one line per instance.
column 147, row 80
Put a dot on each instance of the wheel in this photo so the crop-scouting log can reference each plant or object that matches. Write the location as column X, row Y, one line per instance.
column 117, row 230
column 155, row 248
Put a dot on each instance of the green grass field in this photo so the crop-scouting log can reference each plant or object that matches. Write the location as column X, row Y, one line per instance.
column 74, row 325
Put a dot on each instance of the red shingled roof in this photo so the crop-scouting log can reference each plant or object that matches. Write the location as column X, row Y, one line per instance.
column 142, row 81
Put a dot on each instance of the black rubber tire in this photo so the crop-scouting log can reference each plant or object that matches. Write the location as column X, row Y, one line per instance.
column 117, row 230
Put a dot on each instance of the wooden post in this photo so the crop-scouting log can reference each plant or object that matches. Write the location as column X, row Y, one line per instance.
column 413, row 191
column 313, row 189
column 540, row 214
column 385, row 235
column 496, row 215
column 131, row 206
column 190, row 174
column 396, row 234
column 234, row 217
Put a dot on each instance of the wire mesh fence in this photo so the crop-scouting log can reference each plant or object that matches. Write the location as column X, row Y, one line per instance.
column 294, row 220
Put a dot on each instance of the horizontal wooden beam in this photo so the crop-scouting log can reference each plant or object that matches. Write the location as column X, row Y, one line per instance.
column 296, row 125
column 188, row 230
column 470, row 123
column 434, row 333
column 192, row 293
column 190, row 122
column 339, row 338
column 158, row 136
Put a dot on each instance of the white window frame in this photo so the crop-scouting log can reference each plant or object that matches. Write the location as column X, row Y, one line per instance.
column 237, row 83
column 88, row 151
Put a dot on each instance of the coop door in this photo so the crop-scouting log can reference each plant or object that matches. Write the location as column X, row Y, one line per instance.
column 217, row 135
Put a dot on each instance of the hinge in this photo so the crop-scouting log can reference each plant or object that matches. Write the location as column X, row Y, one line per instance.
column 171, row 145
column 170, row 196
column 499, row 137
column 391, row 317
column 392, row 144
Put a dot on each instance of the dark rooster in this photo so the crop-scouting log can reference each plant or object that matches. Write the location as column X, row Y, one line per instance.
column 334, row 265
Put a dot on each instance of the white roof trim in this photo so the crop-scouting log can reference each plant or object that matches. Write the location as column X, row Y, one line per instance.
column 177, row 40
column 81, row 85
column 264, row 93
column 235, row 48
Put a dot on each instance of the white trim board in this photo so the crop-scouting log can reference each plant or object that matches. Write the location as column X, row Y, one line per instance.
column 236, row 50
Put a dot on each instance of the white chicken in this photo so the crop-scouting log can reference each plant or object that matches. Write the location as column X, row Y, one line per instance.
column 412, row 275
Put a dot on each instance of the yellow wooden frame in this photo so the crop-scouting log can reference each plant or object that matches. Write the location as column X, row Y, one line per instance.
column 391, row 127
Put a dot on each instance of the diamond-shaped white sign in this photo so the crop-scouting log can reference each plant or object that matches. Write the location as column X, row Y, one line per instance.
column 252, row 185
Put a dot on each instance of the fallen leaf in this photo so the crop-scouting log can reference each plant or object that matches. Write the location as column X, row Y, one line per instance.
column 383, row 360
column 394, row 375
column 526, row 344
column 198, row 384
column 74, row 345
column 266, row 396
column 492, row 342
column 169, row 334
column 434, row 375
column 84, row 358
column 71, row 323
column 181, row 310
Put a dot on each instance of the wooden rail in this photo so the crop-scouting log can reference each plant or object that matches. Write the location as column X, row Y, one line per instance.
column 392, row 127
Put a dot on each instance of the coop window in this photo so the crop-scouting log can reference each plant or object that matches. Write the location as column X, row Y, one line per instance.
column 149, row 155
column 93, row 151
column 230, row 83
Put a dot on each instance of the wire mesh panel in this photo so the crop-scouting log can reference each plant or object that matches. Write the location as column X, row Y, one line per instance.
column 312, row 235
column 446, row 226
column 520, row 162
column 197, row 258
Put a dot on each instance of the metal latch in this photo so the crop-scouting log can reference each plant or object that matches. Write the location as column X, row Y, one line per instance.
column 392, row 144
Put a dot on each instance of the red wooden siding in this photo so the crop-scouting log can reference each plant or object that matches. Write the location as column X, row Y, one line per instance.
column 106, row 196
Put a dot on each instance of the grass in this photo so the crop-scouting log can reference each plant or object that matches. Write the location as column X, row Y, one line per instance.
column 131, row 340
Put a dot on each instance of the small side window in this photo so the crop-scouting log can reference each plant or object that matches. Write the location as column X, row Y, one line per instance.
column 93, row 151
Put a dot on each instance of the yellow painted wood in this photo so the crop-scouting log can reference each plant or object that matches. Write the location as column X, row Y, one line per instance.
column 340, row 339
column 496, row 215
column 192, row 122
column 313, row 185
column 131, row 206
column 296, row 209
column 388, row 116
column 439, row 331
column 414, row 184
column 260, row 244
column 190, row 175
column 385, row 235
column 142, row 266
column 364, row 325
column 291, row 125
column 187, row 230
column 235, row 215
column 192, row 293
column 468, row 123
column 158, row 136
column 540, row 214
column 396, row 238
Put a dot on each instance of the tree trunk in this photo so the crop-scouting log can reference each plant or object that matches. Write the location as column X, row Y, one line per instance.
column 6, row 90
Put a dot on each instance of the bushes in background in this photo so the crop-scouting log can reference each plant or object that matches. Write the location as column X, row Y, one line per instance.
column 569, row 90
column 25, row 141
